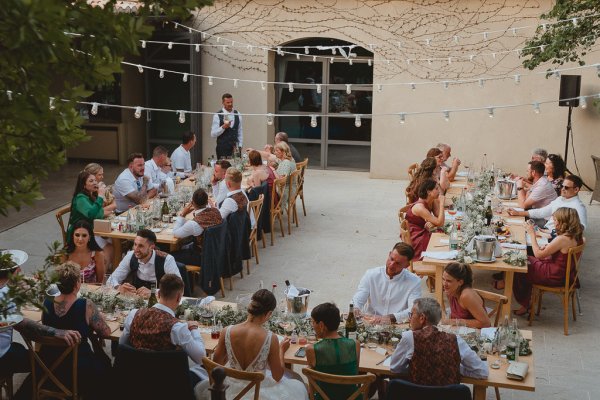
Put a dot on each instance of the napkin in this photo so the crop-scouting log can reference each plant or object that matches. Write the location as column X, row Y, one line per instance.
column 441, row 255
column 513, row 221
column 444, row 241
column 513, row 246
column 517, row 370
column 510, row 203
column 462, row 173
column 488, row 333
column 207, row 300
column 458, row 185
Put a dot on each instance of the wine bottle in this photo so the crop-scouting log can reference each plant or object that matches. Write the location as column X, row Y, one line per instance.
column 152, row 300
column 164, row 211
column 129, row 221
column 489, row 213
column 454, row 237
column 351, row 325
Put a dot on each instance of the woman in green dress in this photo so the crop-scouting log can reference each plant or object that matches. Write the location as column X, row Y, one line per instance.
column 333, row 354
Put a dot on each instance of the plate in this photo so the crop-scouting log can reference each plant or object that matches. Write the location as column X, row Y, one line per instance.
column 156, row 230
column 487, row 261
column 18, row 256
column 53, row 290
column 9, row 321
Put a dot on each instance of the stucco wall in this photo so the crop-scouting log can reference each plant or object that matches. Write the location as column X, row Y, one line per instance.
column 507, row 139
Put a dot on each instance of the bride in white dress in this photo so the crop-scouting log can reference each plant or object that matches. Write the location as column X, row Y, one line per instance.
column 250, row 347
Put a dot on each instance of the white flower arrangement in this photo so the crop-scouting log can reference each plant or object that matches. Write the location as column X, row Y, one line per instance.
column 516, row 258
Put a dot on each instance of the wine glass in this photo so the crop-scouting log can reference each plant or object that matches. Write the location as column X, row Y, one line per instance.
column 451, row 209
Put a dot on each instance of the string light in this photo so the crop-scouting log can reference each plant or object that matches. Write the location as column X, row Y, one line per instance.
column 446, row 116
column 318, row 88
column 291, row 87
column 357, row 121
column 348, row 88
column 297, row 56
column 181, row 117
column 598, row 69
column 185, row 77
column 370, row 62
column 210, row 81
column 481, row 83
column 517, row 79
column 471, row 57
column 138, row 112
column 485, row 35
column 574, row 21
column 379, row 87
column 313, row 121
column 413, row 86
column 170, row 45
column 224, row 49
column 556, row 74
column 279, row 52
column 51, row 104
column 263, row 86
column 350, row 61
column 9, row 94
column 582, row 102
column 235, row 83
column 197, row 48
column 446, row 84
column 331, row 60
column 491, row 112
column 140, row 68
column 402, row 118
column 269, row 119
column 536, row 107
column 306, row 50
column 456, row 39
column 314, row 58
column 428, row 42
column 143, row 44
column 94, row 110
column 161, row 73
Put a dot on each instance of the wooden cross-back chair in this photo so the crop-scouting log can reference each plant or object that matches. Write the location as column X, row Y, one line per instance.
column 566, row 292
column 292, row 213
column 254, row 378
column 361, row 381
column 6, row 383
column 60, row 213
column 255, row 208
column 302, row 167
column 276, row 205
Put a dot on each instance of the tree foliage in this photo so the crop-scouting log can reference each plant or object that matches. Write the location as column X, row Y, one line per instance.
column 567, row 41
column 57, row 48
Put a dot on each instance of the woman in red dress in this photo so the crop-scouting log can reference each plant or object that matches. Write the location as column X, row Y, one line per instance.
column 424, row 215
column 548, row 266
column 465, row 303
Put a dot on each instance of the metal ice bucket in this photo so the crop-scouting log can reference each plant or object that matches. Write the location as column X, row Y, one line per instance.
column 298, row 304
column 505, row 189
column 484, row 247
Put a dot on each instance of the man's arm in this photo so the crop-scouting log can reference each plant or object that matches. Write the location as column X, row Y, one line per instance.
column 120, row 274
column 215, row 129
column 124, row 339
column 415, row 293
column 400, row 361
column 137, row 196
column 229, row 206
column 171, row 266
column 537, row 213
column 35, row 329
column 96, row 321
column 188, row 338
column 470, row 363
column 453, row 169
column 240, row 132
column 362, row 292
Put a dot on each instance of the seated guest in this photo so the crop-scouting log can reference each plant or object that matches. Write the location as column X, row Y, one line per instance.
column 446, row 153
column 142, row 266
column 219, row 188
column 181, row 158
column 425, row 172
column 250, row 347
column 152, row 168
column 156, row 328
column 67, row 311
column 555, row 171
column 267, row 153
column 132, row 186
column 431, row 357
column 168, row 175
column 332, row 354
column 204, row 216
column 425, row 214
column 285, row 162
column 539, row 154
column 541, row 192
column 236, row 198
column 548, row 265
column 97, row 170
column 569, row 198
column 389, row 290
column 441, row 173
column 465, row 304
column 83, row 250
column 260, row 172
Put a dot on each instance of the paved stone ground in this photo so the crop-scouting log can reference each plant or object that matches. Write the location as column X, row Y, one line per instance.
column 351, row 225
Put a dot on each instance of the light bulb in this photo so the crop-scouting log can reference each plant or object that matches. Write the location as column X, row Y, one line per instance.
column 408, row 61
column 481, row 83
column 197, row 48
column 491, row 112
column 263, row 86
column 235, row 83
column 185, row 77
column 544, row 27
column 51, row 104
column 379, row 87
column 333, row 51
column 279, row 52
column 348, row 88
column 370, row 62
column 514, row 31
column 143, row 44
column 233, row 43
column 203, row 35
column 189, row 30
column 449, row 60
column 218, row 39
column 429, row 61
column 138, row 112
column 250, row 48
column 557, row 74
column 314, row 58
column 297, row 56
column 269, row 119
column 399, row 44
column 9, row 94
column 388, row 62
column 494, row 56
column 161, row 73
column 170, row 45
column 313, row 121
column 517, row 79
column 350, row 61
column 582, row 102
column 94, row 110
column 471, row 57
column 456, row 39
column 413, row 86
column 331, row 60
column 447, row 116
column 291, row 87
column 536, row 108
column 542, row 47
column 446, row 84
column 176, row 25
column 224, row 49
column 210, row 81
column 402, row 118
column 485, row 36
column 140, row 68
column 598, row 69
column 181, row 117
column 318, row 88
column 574, row 21
column 428, row 42
column 305, row 49
column 357, row 122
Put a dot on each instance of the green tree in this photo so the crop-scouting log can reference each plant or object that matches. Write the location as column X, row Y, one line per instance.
column 55, row 49
column 566, row 41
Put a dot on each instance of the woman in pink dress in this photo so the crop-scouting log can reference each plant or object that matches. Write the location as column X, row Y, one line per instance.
column 548, row 266
column 465, row 304
column 424, row 215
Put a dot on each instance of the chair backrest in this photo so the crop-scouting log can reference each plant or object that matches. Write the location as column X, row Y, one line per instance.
column 499, row 300
column 596, row 161
column 400, row 389
column 301, row 166
column 46, row 382
column 254, row 378
column 61, row 223
column 293, row 187
column 573, row 261
column 412, row 168
column 214, row 257
column 142, row 373
column 405, row 233
column 361, row 381
column 277, row 195
column 256, row 209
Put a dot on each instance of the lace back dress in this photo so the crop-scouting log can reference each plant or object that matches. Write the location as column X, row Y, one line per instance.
column 259, row 364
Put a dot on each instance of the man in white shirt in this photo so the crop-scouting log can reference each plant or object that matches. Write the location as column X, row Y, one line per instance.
column 227, row 128
column 157, row 328
column 236, row 198
column 219, row 187
column 132, row 186
column 431, row 357
column 153, row 168
column 569, row 197
column 446, row 153
column 181, row 159
column 143, row 265
column 267, row 152
column 389, row 290
column 541, row 192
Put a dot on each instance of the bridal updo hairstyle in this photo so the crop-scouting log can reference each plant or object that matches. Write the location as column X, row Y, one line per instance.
column 262, row 302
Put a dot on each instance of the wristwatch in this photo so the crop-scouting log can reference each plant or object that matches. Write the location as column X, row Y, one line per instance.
column 519, row 188
column 392, row 318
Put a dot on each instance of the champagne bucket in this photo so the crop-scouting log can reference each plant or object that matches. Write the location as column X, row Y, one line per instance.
column 505, row 189
column 484, row 247
column 297, row 304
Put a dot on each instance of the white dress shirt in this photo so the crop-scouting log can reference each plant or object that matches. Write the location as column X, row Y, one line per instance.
column 145, row 272
column 216, row 130
column 184, row 227
column 153, row 172
column 377, row 294
column 125, row 184
column 470, row 364
column 7, row 334
column 229, row 205
column 181, row 159
column 190, row 341
column 220, row 191
column 541, row 193
column 547, row 211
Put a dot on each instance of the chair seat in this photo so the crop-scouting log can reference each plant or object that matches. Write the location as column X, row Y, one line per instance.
column 555, row 289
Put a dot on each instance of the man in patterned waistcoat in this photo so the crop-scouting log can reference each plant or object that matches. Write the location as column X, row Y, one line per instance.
column 431, row 357
column 156, row 328
column 227, row 128
column 236, row 198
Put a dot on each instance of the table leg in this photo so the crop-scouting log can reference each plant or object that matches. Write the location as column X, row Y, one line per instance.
column 508, row 286
column 117, row 252
column 479, row 392
column 439, row 293
column 173, row 247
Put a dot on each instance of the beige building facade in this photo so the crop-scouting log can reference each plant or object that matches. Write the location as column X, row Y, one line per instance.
column 427, row 34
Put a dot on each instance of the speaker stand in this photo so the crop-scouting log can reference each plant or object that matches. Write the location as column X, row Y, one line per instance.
column 566, row 153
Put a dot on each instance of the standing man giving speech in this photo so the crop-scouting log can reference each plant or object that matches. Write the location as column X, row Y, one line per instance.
column 227, row 128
